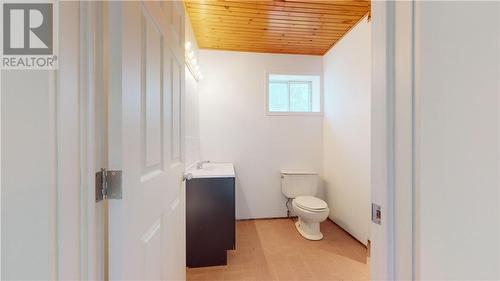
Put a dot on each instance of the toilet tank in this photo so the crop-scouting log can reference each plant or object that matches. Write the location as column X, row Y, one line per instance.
column 299, row 183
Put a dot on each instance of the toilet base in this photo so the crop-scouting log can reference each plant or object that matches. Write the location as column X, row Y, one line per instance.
column 309, row 231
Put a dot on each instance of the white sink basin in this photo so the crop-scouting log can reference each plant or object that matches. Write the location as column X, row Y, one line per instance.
column 213, row 170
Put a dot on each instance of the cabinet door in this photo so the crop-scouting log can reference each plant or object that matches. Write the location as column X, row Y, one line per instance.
column 210, row 215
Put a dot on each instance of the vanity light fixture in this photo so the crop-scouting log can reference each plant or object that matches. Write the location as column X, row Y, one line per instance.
column 192, row 62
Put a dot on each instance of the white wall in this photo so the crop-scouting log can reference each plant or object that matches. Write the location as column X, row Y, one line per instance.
column 458, row 143
column 191, row 107
column 234, row 126
column 192, row 131
column 40, row 165
column 27, row 202
column 346, row 131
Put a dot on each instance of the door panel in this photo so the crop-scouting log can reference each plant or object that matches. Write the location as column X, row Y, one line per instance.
column 148, row 243
column 176, row 114
column 152, row 252
column 152, row 96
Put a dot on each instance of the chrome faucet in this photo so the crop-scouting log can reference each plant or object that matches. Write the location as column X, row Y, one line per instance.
column 199, row 164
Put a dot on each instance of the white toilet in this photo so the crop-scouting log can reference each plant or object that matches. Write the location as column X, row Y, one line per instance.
column 302, row 187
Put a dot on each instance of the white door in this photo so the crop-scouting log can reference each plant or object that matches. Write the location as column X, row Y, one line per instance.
column 146, row 74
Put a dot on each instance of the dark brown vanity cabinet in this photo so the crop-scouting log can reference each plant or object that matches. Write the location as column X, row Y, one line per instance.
column 210, row 221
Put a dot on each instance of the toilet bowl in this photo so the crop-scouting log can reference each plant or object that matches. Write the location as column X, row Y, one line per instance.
column 311, row 212
column 302, row 186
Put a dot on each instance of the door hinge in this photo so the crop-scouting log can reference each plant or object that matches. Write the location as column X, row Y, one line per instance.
column 108, row 185
column 376, row 214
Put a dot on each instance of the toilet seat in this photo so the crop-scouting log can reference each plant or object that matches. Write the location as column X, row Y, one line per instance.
column 311, row 203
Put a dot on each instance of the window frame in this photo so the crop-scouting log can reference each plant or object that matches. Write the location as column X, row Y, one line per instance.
column 288, row 82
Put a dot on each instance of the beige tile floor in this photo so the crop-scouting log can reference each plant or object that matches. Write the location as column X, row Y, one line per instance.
column 274, row 250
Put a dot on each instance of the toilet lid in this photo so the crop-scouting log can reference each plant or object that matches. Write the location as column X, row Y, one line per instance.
column 310, row 203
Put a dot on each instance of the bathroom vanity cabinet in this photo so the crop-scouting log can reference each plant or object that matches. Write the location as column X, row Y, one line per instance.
column 210, row 220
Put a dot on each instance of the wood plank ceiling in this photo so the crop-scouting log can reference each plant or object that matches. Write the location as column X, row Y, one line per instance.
column 309, row 27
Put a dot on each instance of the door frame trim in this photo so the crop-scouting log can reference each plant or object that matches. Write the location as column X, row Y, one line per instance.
column 93, row 217
column 400, row 186
column 394, row 134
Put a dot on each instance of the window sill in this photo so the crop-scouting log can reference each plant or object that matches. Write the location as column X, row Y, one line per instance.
column 294, row 113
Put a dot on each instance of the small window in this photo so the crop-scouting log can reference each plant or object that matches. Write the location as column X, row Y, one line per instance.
column 293, row 94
